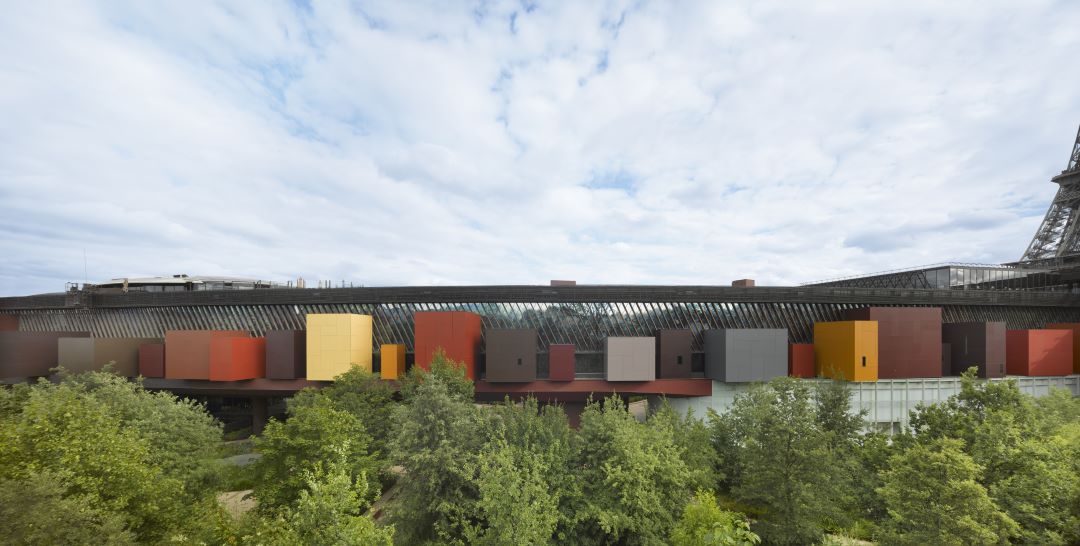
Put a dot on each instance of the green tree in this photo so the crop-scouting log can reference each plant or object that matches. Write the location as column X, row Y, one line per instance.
column 328, row 511
column 785, row 468
column 543, row 448
column 102, row 462
column 312, row 434
column 633, row 478
column 362, row 394
column 703, row 523
column 516, row 504
column 450, row 373
column 693, row 438
column 438, row 438
column 38, row 510
column 933, row 497
column 182, row 438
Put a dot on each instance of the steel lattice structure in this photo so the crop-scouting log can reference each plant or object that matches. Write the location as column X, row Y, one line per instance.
column 1059, row 233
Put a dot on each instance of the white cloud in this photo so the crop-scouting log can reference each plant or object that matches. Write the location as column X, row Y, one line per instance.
column 623, row 142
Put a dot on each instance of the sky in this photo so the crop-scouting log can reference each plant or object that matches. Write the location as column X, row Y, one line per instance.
column 447, row 143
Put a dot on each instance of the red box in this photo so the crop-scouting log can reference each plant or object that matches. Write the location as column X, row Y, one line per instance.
column 152, row 360
column 561, row 362
column 800, row 361
column 1038, row 352
column 187, row 352
column 237, row 358
column 9, row 323
column 458, row 333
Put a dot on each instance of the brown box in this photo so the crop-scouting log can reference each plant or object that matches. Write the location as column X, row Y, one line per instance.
column 909, row 340
column 152, row 360
column 975, row 344
column 30, row 354
column 286, row 354
column 187, row 352
column 511, row 355
column 9, row 323
column 92, row 354
column 673, row 354
column 561, row 362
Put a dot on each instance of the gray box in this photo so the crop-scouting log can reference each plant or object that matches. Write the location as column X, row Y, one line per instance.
column 745, row 355
column 511, row 355
column 630, row 359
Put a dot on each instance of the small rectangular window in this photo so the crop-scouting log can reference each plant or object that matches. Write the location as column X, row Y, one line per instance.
column 864, row 362
column 678, row 359
column 519, row 362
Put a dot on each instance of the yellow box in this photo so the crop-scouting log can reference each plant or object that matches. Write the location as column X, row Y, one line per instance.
column 392, row 360
column 846, row 350
column 336, row 342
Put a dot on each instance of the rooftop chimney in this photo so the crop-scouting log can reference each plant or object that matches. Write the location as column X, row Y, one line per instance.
column 563, row 283
column 743, row 283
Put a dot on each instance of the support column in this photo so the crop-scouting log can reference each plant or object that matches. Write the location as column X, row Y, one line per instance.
column 258, row 415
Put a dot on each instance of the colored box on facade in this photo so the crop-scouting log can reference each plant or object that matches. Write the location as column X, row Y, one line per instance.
column 946, row 359
column 975, row 344
column 673, row 357
column 847, row 350
column 630, row 359
column 83, row 354
column 9, row 323
column 335, row 343
column 1039, row 352
column 458, row 333
column 237, row 358
column 801, row 360
column 392, row 361
column 510, row 355
column 1075, row 328
column 152, row 360
column 561, row 362
column 30, row 354
column 286, row 354
column 742, row 355
column 187, row 352
column 909, row 340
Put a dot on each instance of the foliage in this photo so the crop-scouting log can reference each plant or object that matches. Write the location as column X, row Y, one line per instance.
column 515, row 502
column 183, row 439
column 327, row 512
column 360, row 393
column 450, row 373
column 437, row 440
column 83, row 436
column 38, row 510
column 543, row 448
column 703, row 523
column 632, row 476
column 933, row 497
column 694, row 442
column 785, row 467
column 313, row 433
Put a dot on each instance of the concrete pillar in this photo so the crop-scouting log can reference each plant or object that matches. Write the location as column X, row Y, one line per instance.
column 258, row 415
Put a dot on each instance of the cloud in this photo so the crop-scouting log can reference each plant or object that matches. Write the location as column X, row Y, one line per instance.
column 394, row 143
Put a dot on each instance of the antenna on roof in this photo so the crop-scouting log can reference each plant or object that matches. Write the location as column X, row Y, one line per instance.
column 84, row 275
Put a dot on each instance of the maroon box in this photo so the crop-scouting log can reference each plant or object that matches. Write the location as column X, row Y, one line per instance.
column 152, row 360
column 800, row 361
column 31, row 354
column 9, row 323
column 909, row 340
column 561, row 362
column 673, row 354
column 286, row 354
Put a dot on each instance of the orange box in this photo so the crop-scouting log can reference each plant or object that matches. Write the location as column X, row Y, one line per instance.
column 456, row 332
column 1039, row 352
column 391, row 361
column 237, row 358
column 1075, row 328
column 801, row 360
